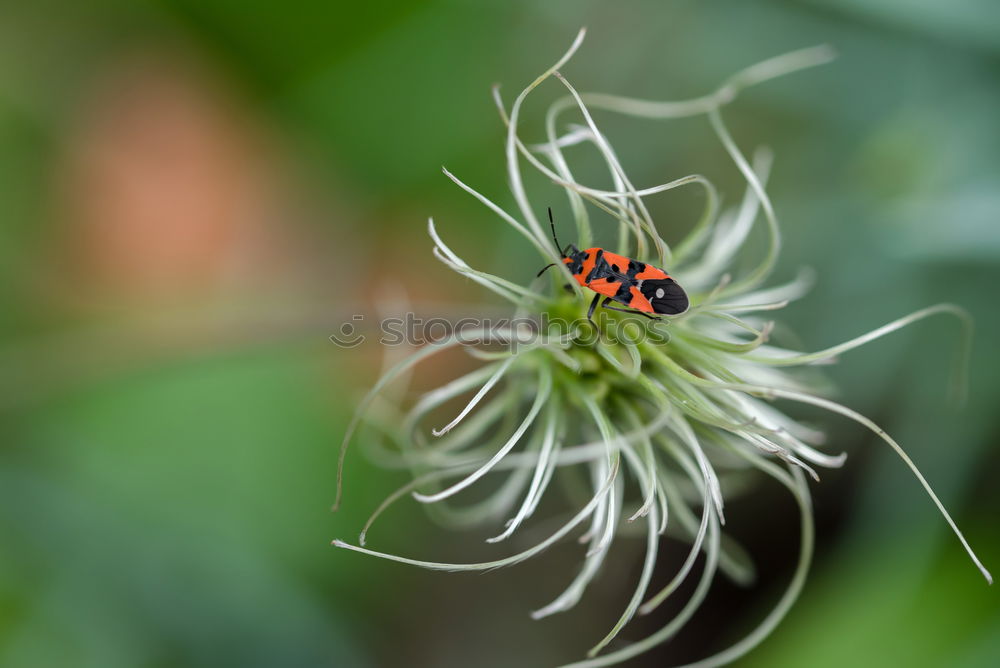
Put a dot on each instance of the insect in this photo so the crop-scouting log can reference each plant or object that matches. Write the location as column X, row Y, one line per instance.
column 646, row 290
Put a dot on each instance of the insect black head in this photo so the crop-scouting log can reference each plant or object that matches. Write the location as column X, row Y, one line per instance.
column 665, row 296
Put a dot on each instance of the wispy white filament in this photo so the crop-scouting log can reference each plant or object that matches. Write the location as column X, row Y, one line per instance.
column 536, row 488
column 581, row 515
column 392, row 374
column 513, row 171
column 878, row 431
column 545, row 386
column 493, row 380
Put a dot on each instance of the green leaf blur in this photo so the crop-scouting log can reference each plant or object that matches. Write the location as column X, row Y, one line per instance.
column 195, row 195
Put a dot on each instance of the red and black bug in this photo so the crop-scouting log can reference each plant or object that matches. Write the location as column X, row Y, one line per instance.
column 646, row 290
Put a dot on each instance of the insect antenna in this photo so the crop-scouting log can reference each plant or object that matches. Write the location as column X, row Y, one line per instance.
column 544, row 268
column 553, row 226
column 558, row 247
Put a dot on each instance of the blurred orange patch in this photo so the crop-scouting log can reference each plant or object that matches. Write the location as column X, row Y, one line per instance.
column 168, row 190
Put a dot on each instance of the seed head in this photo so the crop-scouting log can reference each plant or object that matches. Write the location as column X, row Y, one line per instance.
column 660, row 414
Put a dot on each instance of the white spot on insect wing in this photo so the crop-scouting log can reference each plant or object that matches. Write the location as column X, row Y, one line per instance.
column 659, row 293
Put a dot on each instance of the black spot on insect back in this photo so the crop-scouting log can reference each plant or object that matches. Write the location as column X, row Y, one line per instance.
column 634, row 268
column 602, row 269
column 624, row 294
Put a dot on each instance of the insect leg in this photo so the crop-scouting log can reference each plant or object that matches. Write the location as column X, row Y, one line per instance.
column 607, row 300
column 590, row 311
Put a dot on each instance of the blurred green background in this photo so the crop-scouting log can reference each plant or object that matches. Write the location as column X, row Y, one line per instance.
column 196, row 194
